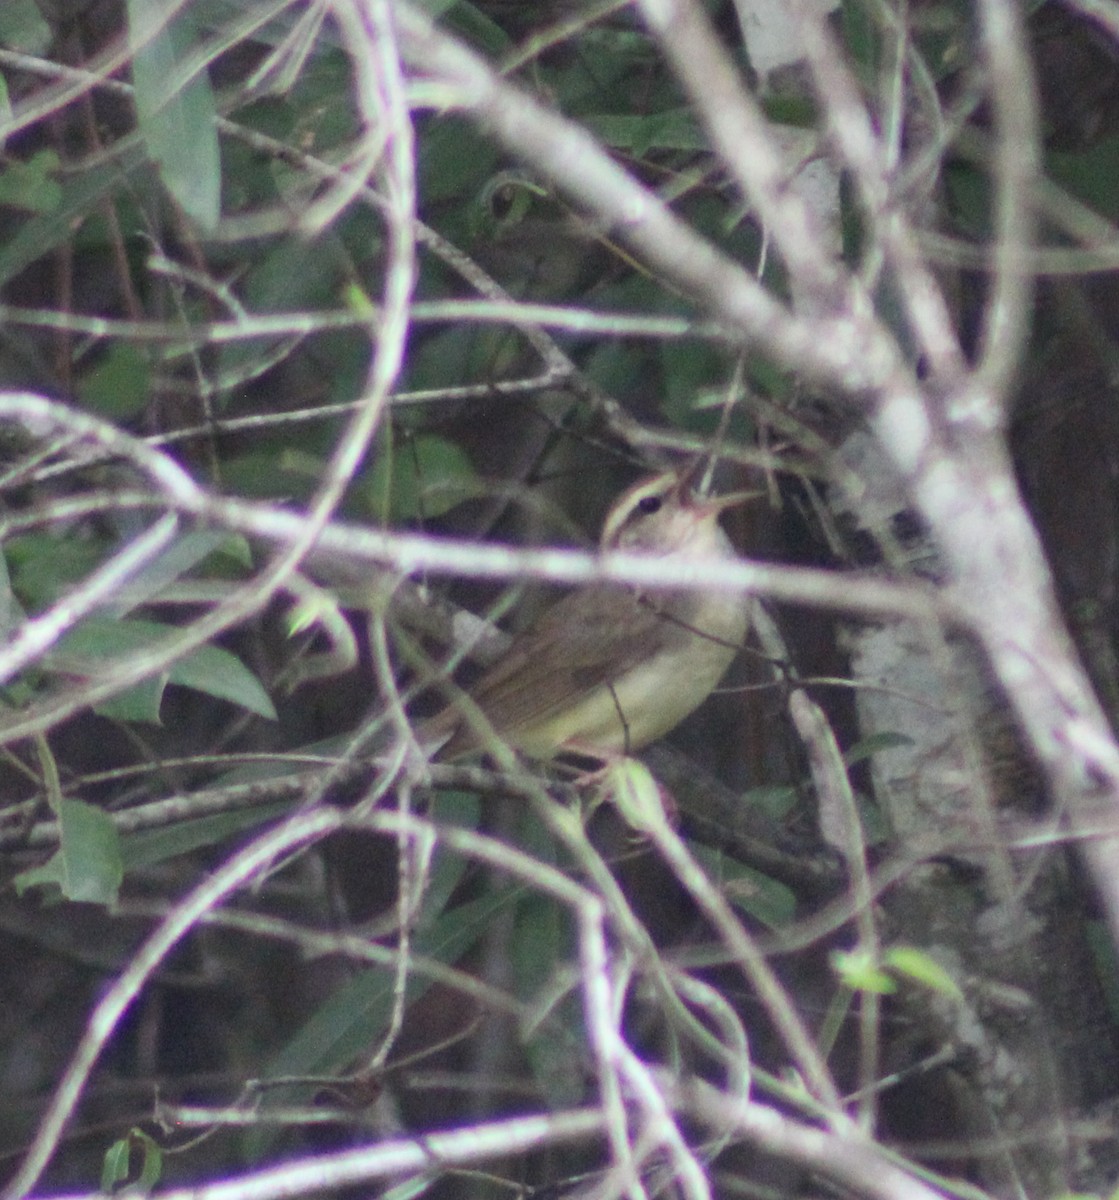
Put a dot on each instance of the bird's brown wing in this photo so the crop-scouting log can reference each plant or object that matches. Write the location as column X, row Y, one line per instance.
column 587, row 639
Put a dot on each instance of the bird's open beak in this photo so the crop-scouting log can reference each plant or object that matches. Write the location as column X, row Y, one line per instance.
column 713, row 505
column 691, row 478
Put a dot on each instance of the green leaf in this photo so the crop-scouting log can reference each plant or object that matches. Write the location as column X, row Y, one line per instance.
column 425, row 478
column 81, row 193
column 791, row 108
column 476, row 27
column 22, row 27
column 673, row 130
column 150, row 846
column 94, row 645
column 151, row 1168
column 350, row 1021
column 436, row 8
column 32, row 186
column 540, row 946
column 87, row 866
column 182, row 556
column 460, row 809
column 115, row 1168
column 969, row 199
column 454, row 161
column 920, row 967
column 1090, row 175
column 410, row 1189
column 756, row 894
column 860, row 972
column 863, row 39
column 296, row 274
column 119, row 385
column 690, row 376
column 1106, row 964
column 775, row 800
column 11, row 611
column 868, row 746
column 268, row 470
column 216, row 672
column 44, row 565
column 141, row 702
column 179, row 126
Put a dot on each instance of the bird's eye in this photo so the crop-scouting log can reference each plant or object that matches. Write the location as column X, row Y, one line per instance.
column 650, row 504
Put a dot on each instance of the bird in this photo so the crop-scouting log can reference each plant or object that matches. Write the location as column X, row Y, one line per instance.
column 610, row 668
